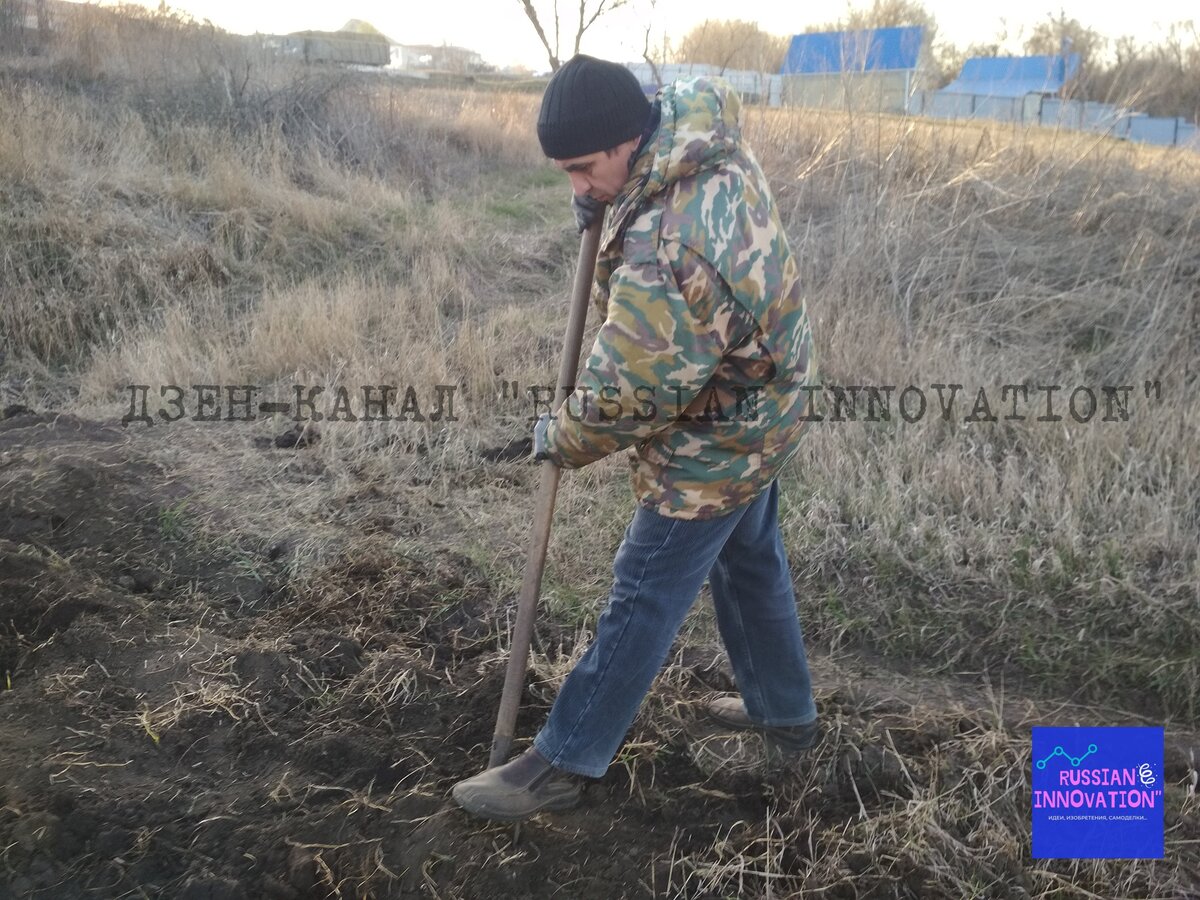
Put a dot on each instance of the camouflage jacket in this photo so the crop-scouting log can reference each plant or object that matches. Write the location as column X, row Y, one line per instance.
column 706, row 343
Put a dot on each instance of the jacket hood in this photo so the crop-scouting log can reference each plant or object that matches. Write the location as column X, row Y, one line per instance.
column 698, row 129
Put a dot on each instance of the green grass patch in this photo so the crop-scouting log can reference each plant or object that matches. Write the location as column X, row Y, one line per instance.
column 515, row 212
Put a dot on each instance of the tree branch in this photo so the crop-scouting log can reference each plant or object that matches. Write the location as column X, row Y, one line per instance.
column 600, row 7
column 557, row 35
column 649, row 59
column 531, row 13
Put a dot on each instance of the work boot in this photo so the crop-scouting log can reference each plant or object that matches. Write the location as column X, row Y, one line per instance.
column 730, row 712
column 518, row 789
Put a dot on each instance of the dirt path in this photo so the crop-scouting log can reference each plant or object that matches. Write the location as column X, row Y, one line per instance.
column 189, row 717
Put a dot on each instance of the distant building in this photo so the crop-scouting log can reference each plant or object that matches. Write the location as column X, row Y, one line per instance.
column 404, row 57
column 1014, row 76
column 873, row 69
column 1006, row 88
column 345, row 47
column 441, row 58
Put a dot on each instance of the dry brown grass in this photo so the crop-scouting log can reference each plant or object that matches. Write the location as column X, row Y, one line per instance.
column 413, row 237
column 344, row 230
column 986, row 257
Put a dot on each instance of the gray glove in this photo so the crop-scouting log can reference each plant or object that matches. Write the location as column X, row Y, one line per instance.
column 587, row 210
column 539, row 437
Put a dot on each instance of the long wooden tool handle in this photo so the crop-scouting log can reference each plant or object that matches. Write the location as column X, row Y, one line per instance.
column 535, row 562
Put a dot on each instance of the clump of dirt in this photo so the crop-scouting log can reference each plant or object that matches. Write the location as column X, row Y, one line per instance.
column 187, row 718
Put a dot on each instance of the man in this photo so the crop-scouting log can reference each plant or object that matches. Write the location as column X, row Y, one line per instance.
column 698, row 370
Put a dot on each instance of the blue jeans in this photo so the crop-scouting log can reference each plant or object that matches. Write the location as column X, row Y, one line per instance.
column 658, row 571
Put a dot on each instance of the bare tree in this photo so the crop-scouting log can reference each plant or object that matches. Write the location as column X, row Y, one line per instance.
column 589, row 12
column 884, row 14
column 1161, row 79
column 733, row 44
column 1048, row 37
column 654, row 56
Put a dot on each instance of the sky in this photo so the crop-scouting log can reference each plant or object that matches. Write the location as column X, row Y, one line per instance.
column 499, row 30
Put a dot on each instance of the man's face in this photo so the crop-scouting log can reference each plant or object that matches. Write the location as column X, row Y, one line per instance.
column 600, row 175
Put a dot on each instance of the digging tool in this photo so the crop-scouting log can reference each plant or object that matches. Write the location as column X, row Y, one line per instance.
column 514, row 678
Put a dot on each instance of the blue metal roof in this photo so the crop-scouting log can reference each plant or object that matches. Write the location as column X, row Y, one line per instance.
column 1014, row 76
column 876, row 49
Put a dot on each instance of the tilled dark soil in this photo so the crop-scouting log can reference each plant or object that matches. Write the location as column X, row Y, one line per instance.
column 178, row 723
column 186, row 717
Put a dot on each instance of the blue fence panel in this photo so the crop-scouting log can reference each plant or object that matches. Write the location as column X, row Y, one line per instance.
column 775, row 91
column 1003, row 109
column 1062, row 113
column 1153, row 131
column 1101, row 117
column 1120, row 128
column 1031, row 108
column 949, row 106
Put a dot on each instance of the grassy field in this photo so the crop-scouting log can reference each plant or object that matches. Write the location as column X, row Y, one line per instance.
column 187, row 215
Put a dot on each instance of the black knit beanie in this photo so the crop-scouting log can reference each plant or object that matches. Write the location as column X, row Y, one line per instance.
column 590, row 105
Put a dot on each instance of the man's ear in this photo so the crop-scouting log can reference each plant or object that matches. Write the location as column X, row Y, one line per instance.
column 628, row 147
